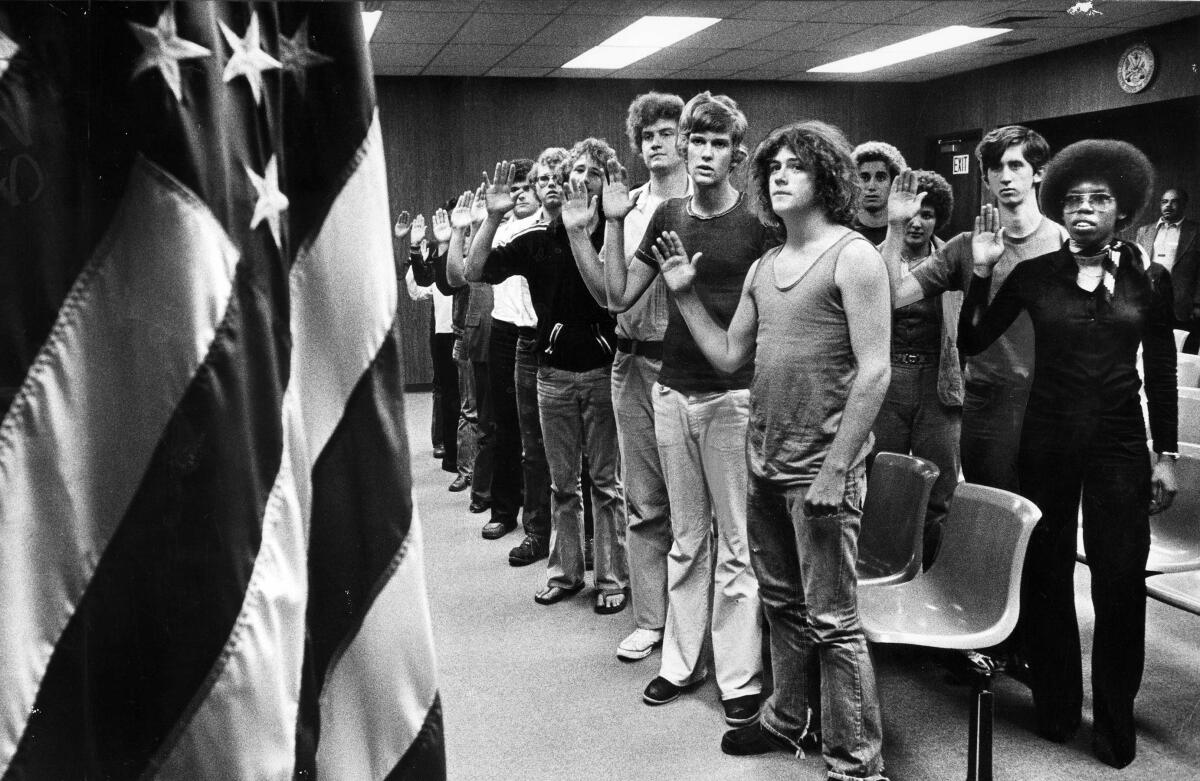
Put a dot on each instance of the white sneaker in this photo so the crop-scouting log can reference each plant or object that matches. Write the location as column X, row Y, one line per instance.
column 639, row 644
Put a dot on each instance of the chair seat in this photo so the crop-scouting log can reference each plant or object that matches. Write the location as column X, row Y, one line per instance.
column 1181, row 590
column 921, row 613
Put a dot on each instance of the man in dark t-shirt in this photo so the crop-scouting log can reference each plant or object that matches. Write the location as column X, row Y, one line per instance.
column 700, row 414
column 878, row 164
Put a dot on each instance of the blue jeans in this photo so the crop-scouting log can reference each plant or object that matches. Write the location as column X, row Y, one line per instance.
column 648, row 534
column 535, row 514
column 808, row 588
column 577, row 418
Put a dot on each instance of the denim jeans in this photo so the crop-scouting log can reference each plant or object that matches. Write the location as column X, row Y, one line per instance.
column 809, row 593
column 702, row 449
column 577, row 417
column 648, row 535
column 468, row 417
column 536, row 511
column 1106, row 461
column 991, row 433
column 914, row 420
column 507, row 481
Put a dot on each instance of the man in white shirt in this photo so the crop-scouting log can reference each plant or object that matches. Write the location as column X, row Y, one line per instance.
column 1171, row 242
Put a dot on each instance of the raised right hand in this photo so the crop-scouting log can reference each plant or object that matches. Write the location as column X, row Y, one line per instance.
column 678, row 272
column 496, row 193
column 904, row 201
column 616, row 191
column 441, row 226
column 460, row 217
column 987, row 241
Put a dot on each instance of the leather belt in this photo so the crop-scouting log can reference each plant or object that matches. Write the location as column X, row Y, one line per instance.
column 914, row 359
column 651, row 350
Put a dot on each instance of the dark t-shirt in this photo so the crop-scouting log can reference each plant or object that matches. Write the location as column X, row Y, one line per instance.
column 574, row 332
column 731, row 242
column 874, row 235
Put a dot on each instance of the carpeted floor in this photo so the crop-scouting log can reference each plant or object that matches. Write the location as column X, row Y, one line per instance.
column 534, row 692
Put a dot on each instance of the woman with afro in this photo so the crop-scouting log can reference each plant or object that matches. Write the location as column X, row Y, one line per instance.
column 1093, row 304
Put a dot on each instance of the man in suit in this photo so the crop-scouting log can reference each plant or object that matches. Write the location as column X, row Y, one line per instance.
column 1172, row 243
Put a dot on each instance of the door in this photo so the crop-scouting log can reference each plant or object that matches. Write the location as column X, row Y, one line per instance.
column 954, row 158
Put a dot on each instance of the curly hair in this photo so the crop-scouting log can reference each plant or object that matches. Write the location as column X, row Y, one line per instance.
column 647, row 109
column 824, row 152
column 1118, row 164
column 881, row 152
column 597, row 148
column 1034, row 147
column 709, row 113
column 521, row 168
column 940, row 196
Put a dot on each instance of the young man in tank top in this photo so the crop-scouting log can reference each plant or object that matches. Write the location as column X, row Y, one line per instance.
column 816, row 316
column 700, row 415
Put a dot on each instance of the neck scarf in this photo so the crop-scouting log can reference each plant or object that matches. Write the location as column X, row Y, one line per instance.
column 1106, row 258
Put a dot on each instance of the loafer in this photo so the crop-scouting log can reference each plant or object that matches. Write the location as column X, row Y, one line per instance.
column 639, row 644
column 461, row 483
column 481, row 505
column 530, row 550
column 660, row 691
column 495, row 529
column 740, row 711
column 752, row 739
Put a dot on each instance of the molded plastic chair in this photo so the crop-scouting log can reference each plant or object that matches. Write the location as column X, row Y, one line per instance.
column 893, row 519
column 1180, row 589
column 1189, row 415
column 968, row 599
column 1175, row 532
column 1187, row 370
column 1180, row 337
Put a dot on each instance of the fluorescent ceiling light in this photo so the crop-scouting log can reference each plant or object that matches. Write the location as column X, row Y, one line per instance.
column 640, row 39
column 922, row 45
column 370, row 21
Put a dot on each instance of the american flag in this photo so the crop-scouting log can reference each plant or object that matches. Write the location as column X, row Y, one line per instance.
column 210, row 563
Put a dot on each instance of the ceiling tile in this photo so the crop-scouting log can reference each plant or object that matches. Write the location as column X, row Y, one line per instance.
column 405, row 7
column 540, row 56
column 787, row 11
column 1157, row 14
column 721, row 9
column 524, row 6
column 739, row 59
column 732, row 33
column 801, row 61
column 873, row 38
column 634, row 72
column 579, row 73
column 676, row 57
column 700, row 73
column 871, row 12
column 401, row 55
column 807, row 35
column 501, row 28
column 417, row 27
column 947, row 12
column 630, row 8
column 455, row 69
column 482, row 56
column 521, row 73
column 585, row 30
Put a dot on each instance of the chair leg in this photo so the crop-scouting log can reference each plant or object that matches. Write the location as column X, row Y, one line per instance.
column 979, row 738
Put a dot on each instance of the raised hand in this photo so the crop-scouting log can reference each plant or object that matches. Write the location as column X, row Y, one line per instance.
column 987, row 240
column 441, row 226
column 460, row 217
column 577, row 209
column 496, row 195
column 678, row 272
column 403, row 225
column 479, row 210
column 616, row 191
column 904, row 201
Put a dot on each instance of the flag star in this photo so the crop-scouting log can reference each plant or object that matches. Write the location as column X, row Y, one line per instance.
column 248, row 58
column 162, row 49
column 271, row 202
column 297, row 57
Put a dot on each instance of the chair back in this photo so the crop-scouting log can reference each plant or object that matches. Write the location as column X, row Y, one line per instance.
column 1189, row 415
column 1175, row 532
column 1187, row 370
column 978, row 568
column 1180, row 337
column 893, row 519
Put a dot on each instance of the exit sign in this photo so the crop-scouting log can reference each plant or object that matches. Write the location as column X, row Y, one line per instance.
column 962, row 164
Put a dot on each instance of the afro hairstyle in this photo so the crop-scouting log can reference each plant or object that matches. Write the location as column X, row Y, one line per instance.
column 883, row 152
column 1119, row 164
column 940, row 197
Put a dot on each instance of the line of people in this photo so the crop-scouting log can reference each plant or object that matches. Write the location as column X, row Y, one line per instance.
column 746, row 353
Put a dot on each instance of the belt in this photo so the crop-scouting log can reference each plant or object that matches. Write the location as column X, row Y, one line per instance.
column 914, row 359
column 651, row 350
column 527, row 332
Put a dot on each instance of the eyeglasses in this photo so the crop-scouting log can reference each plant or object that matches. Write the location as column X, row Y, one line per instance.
column 548, row 178
column 1101, row 201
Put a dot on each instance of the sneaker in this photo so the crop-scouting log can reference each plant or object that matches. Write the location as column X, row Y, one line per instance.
column 660, row 691
column 740, row 711
column 639, row 644
column 753, row 739
column 530, row 550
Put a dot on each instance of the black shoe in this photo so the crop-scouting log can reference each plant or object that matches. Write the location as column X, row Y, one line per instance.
column 589, row 558
column 530, row 550
column 740, row 711
column 439, row 452
column 753, row 739
column 660, row 691
column 461, row 483
column 1113, row 752
column 481, row 505
column 495, row 528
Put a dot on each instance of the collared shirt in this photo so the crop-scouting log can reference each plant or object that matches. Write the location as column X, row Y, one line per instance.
column 1086, row 342
column 646, row 320
column 443, row 305
column 1166, row 242
column 511, row 302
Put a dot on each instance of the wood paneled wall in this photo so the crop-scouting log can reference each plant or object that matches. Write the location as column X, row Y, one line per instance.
column 441, row 133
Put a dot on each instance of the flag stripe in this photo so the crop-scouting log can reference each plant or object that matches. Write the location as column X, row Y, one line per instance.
column 171, row 582
column 126, row 344
column 426, row 757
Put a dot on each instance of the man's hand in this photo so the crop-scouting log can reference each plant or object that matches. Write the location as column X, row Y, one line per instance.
column 460, row 217
column 577, row 209
column 496, row 195
column 987, row 241
column 479, row 210
column 904, row 201
column 616, row 192
column 826, row 493
column 1162, row 485
column 678, row 272
column 403, row 225
column 441, row 226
